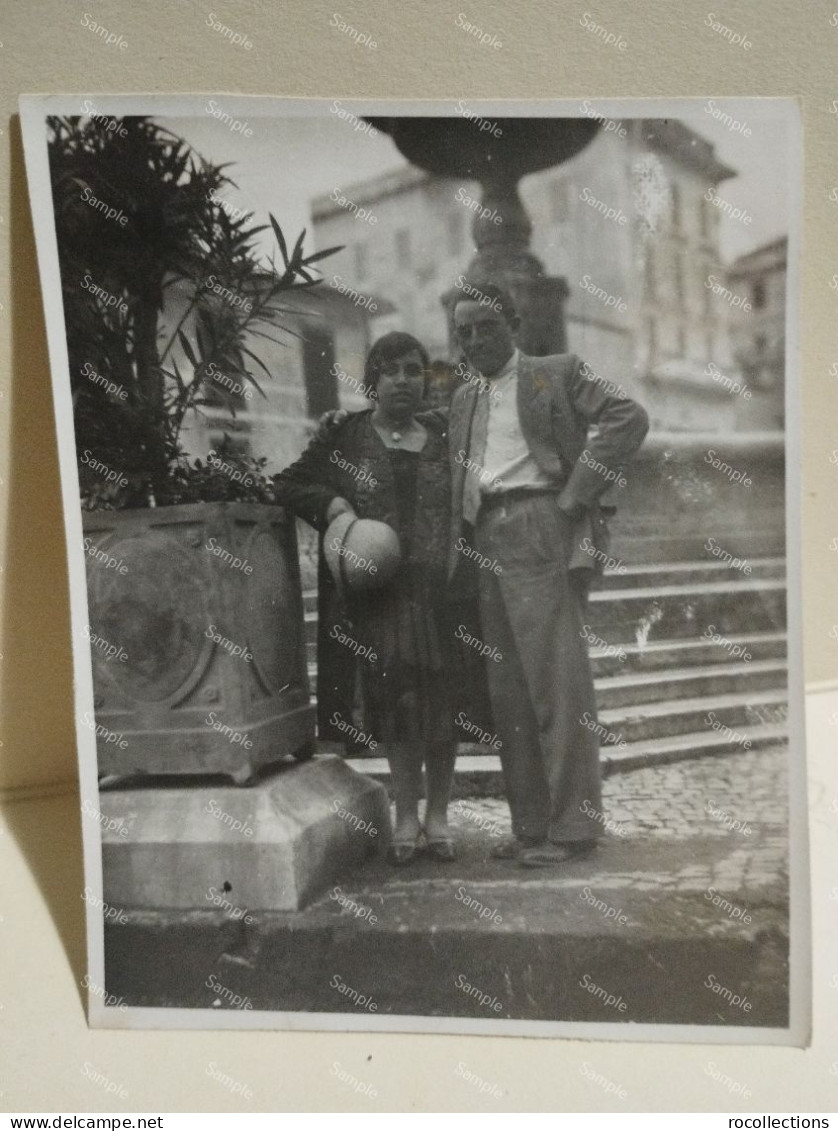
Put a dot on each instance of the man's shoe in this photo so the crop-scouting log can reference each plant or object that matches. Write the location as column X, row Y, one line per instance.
column 511, row 847
column 544, row 855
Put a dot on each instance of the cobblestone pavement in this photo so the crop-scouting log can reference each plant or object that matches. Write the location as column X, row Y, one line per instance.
column 666, row 806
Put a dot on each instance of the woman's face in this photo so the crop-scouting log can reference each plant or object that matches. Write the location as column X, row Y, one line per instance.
column 401, row 384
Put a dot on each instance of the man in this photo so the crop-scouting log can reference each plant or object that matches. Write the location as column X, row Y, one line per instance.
column 526, row 480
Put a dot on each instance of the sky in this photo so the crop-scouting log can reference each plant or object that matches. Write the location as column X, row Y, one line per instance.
column 287, row 161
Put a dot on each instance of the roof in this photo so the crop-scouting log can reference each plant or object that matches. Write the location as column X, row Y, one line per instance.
column 766, row 257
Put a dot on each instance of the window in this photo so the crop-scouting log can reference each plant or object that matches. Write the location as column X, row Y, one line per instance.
column 759, row 294
column 454, row 225
column 360, row 261
column 403, row 247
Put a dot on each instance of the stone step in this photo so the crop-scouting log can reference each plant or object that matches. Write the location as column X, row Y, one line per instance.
column 655, row 655
column 689, row 573
column 478, row 769
column 646, row 721
column 658, row 655
column 716, row 679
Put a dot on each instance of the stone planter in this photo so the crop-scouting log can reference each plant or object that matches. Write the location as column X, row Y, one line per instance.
column 197, row 641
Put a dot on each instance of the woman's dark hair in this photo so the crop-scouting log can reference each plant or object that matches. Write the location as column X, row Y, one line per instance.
column 393, row 345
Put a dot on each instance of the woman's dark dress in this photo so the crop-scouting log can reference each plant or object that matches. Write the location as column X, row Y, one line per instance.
column 406, row 690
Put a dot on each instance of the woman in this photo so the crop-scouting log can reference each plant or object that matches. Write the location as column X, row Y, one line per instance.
column 390, row 464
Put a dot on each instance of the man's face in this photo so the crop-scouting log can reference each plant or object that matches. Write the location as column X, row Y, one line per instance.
column 484, row 335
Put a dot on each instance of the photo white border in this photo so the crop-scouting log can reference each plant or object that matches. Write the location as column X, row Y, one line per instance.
column 34, row 110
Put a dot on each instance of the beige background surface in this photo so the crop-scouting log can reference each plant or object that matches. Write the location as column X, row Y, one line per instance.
column 421, row 53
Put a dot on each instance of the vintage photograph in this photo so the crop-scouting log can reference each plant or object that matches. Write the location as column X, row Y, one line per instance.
column 431, row 487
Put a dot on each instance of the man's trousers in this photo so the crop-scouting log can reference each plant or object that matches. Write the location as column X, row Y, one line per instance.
column 541, row 690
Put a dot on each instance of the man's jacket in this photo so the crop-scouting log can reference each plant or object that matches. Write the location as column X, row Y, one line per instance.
column 577, row 435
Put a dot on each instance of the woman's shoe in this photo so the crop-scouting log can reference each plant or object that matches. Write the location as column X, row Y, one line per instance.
column 442, row 849
column 404, row 852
